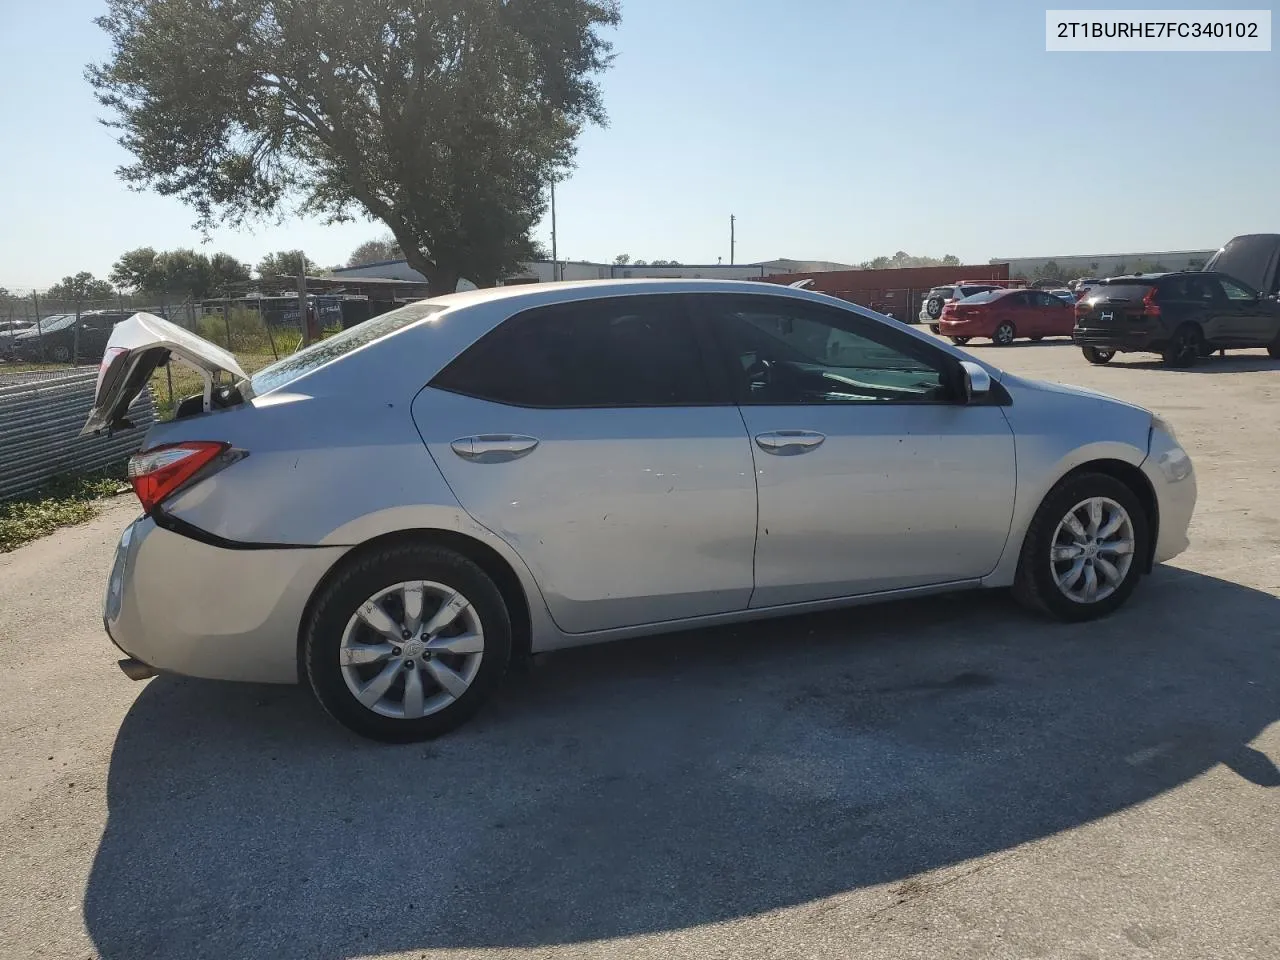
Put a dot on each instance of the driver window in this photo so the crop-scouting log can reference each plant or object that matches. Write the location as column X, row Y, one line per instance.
column 789, row 351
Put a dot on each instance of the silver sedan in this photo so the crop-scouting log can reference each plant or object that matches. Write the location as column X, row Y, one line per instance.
column 394, row 514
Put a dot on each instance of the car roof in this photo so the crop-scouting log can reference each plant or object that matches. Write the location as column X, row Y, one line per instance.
column 533, row 294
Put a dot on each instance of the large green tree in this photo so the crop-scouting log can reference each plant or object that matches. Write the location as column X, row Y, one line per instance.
column 284, row 263
column 444, row 119
column 372, row 251
column 83, row 288
column 180, row 273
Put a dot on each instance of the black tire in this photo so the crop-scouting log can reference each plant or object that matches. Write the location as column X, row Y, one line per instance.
column 933, row 307
column 1034, row 585
column 935, row 328
column 1097, row 355
column 959, row 341
column 351, row 586
column 1183, row 348
column 1004, row 334
column 1207, row 350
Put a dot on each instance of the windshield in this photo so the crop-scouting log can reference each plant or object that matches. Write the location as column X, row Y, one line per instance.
column 318, row 354
column 57, row 322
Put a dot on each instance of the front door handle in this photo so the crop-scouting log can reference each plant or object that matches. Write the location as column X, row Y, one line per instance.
column 789, row 443
column 494, row 447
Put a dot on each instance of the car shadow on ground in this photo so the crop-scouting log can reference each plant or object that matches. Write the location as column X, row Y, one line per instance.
column 673, row 782
column 1231, row 363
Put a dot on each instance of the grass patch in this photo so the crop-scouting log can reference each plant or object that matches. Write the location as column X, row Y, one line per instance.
column 63, row 502
column 187, row 383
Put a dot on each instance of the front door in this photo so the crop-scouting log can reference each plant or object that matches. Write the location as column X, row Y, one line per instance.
column 872, row 475
column 590, row 438
column 1252, row 318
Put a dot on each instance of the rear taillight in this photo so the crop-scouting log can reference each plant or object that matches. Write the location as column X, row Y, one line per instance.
column 160, row 472
column 1149, row 306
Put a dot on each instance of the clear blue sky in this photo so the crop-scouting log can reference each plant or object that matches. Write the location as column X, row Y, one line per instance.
column 833, row 130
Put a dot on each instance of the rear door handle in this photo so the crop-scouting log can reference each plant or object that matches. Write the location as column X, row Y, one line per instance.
column 494, row 447
column 789, row 443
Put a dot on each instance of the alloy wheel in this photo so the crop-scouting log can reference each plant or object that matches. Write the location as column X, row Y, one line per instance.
column 411, row 649
column 1004, row 334
column 1092, row 550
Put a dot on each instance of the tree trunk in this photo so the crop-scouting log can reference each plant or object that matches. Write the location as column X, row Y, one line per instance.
column 440, row 280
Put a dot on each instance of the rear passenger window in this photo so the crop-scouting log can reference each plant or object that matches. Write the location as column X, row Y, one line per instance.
column 637, row 351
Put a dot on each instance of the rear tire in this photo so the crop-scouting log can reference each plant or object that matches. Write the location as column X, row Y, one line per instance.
column 1005, row 334
column 1098, row 356
column 1183, row 348
column 959, row 341
column 1038, row 584
column 335, row 633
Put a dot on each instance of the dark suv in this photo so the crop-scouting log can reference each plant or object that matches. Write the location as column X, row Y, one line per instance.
column 1181, row 316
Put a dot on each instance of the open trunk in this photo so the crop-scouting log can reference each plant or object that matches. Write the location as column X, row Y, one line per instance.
column 138, row 346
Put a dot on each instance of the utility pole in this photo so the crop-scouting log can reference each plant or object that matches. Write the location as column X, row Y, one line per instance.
column 555, row 260
column 302, row 306
column 732, row 239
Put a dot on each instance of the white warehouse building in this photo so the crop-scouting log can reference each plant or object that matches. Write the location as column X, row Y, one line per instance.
column 1108, row 264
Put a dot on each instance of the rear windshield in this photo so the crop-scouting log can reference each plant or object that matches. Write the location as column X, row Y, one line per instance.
column 986, row 296
column 1121, row 291
column 339, row 345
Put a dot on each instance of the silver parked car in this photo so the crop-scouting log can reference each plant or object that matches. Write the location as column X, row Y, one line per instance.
column 395, row 513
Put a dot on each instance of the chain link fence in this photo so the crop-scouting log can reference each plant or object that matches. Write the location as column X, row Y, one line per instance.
column 37, row 331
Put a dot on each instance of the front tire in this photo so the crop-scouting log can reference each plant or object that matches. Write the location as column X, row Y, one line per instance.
column 407, row 643
column 1085, row 549
column 1097, row 356
column 1005, row 334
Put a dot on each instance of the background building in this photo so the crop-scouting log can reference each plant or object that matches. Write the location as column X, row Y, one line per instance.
column 546, row 271
column 1070, row 266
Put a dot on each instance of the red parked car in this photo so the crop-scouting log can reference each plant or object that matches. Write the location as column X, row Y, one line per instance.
column 1005, row 315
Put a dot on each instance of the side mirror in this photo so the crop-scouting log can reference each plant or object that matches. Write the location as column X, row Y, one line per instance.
column 977, row 382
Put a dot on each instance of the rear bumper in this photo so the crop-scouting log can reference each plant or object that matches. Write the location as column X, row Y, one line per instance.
column 965, row 328
column 187, row 607
column 1118, row 339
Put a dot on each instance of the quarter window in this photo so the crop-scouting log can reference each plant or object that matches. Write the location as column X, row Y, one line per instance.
column 1236, row 292
column 788, row 352
column 637, row 351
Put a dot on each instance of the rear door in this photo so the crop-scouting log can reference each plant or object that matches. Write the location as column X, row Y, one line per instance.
column 591, row 437
column 872, row 475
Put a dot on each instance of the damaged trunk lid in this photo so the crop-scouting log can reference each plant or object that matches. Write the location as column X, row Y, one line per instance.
column 137, row 347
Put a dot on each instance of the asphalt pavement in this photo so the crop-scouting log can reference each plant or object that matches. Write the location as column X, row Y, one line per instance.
column 946, row 778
